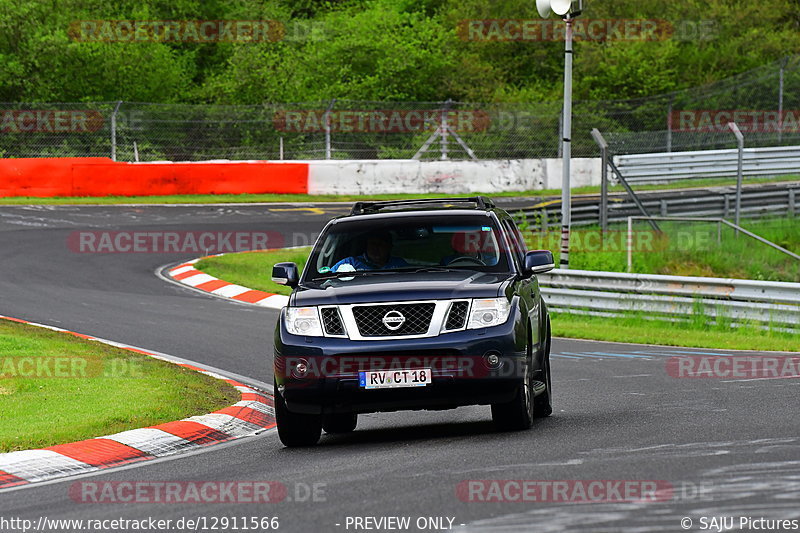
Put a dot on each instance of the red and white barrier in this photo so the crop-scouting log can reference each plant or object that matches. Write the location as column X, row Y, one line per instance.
column 87, row 176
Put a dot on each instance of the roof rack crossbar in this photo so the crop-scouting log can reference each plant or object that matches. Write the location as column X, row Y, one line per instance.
column 360, row 208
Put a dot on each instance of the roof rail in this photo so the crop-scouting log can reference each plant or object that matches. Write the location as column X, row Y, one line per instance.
column 362, row 208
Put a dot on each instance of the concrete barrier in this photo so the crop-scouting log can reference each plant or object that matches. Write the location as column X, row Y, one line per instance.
column 53, row 177
column 451, row 177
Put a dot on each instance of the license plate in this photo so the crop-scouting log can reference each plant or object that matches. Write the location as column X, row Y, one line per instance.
column 392, row 379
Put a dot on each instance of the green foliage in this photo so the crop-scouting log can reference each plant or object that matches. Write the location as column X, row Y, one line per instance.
column 376, row 50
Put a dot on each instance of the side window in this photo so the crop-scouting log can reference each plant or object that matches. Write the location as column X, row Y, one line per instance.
column 520, row 238
column 513, row 235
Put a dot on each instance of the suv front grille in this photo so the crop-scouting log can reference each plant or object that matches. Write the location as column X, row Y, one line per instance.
column 331, row 321
column 457, row 317
column 370, row 319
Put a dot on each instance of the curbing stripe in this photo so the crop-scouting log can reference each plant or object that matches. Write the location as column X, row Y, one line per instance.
column 249, row 415
column 253, row 413
column 152, row 441
column 211, row 286
column 198, row 279
column 226, row 423
column 10, row 480
column 252, row 296
column 230, row 291
column 100, row 452
column 186, row 274
column 181, row 269
column 41, row 465
column 194, row 432
column 255, row 397
column 256, row 406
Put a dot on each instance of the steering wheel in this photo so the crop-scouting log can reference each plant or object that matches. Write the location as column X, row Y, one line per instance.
column 468, row 259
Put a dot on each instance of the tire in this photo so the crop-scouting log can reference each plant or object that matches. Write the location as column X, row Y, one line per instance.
column 516, row 415
column 345, row 423
column 542, row 404
column 295, row 429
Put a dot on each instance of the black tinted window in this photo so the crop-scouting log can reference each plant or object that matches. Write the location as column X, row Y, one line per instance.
column 459, row 242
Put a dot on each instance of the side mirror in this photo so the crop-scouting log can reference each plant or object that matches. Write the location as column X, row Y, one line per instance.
column 538, row 262
column 285, row 274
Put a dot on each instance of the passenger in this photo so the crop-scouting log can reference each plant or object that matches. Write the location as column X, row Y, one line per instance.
column 377, row 256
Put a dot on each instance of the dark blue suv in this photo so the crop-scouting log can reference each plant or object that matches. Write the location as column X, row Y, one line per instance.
column 413, row 304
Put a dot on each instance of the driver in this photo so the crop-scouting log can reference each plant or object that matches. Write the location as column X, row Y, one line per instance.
column 377, row 256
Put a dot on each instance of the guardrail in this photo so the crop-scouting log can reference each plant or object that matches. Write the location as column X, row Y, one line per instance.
column 611, row 293
column 663, row 167
column 779, row 200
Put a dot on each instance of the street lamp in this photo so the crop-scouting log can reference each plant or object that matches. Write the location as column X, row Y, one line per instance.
column 568, row 10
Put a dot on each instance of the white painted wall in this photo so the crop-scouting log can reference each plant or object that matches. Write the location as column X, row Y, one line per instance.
column 451, row 177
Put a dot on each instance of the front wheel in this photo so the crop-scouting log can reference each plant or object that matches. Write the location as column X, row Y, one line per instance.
column 542, row 404
column 517, row 414
column 296, row 429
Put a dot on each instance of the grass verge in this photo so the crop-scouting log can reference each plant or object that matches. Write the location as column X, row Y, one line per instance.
column 57, row 388
column 252, row 269
column 310, row 198
column 638, row 330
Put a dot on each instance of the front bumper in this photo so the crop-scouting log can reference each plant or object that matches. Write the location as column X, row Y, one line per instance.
column 461, row 374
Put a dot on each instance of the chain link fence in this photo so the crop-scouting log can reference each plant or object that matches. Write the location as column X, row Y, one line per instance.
column 766, row 99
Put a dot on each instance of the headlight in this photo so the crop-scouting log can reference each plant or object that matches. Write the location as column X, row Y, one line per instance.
column 303, row 321
column 488, row 312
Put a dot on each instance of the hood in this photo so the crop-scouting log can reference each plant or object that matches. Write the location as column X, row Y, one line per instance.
column 396, row 287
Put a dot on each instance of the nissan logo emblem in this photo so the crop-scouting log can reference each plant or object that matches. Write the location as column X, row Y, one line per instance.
column 393, row 320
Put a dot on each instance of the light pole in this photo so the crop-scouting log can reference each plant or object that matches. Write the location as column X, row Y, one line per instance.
column 568, row 10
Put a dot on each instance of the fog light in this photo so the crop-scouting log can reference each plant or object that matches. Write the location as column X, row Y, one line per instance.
column 300, row 368
column 492, row 359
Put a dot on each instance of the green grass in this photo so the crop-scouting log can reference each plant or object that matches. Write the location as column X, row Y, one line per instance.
column 265, row 198
column 103, row 389
column 685, row 249
column 635, row 329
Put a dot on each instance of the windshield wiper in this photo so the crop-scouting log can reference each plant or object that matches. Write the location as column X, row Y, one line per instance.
column 410, row 270
column 354, row 273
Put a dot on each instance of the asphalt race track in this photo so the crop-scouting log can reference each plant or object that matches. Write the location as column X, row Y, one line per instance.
column 726, row 447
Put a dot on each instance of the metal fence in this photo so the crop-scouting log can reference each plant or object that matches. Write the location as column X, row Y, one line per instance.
column 648, row 168
column 351, row 129
column 671, row 297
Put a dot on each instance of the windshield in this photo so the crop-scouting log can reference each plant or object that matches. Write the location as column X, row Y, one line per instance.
column 408, row 244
